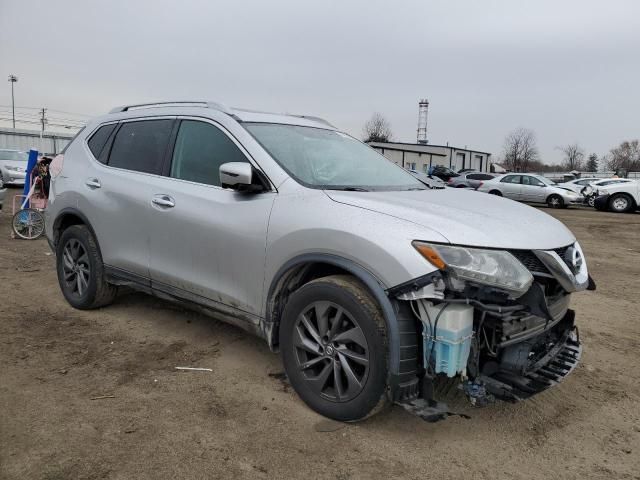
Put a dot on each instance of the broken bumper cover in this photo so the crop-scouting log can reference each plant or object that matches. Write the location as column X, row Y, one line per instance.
column 546, row 372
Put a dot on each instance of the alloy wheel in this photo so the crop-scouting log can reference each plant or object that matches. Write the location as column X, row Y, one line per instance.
column 331, row 351
column 75, row 267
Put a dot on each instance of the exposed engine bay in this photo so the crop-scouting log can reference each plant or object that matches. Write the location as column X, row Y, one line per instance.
column 494, row 346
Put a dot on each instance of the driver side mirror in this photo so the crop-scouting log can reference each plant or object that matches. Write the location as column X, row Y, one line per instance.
column 238, row 176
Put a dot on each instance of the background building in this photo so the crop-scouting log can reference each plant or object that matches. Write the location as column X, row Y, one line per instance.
column 420, row 156
column 17, row 139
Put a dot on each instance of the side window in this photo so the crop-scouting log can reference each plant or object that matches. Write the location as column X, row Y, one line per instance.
column 200, row 150
column 484, row 176
column 141, row 145
column 476, row 176
column 535, row 182
column 99, row 139
column 527, row 180
column 511, row 179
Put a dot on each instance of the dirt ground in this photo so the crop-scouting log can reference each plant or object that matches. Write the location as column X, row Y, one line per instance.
column 241, row 421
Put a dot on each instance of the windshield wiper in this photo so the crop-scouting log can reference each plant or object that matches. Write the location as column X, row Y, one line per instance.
column 349, row 189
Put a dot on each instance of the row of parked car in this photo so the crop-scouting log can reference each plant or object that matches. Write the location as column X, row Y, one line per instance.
column 615, row 194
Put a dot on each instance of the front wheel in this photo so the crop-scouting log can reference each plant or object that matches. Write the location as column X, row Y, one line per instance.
column 81, row 271
column 620, row 203
column 591, row 200
column 334, row 348
column 555, row 201
column 496, row 192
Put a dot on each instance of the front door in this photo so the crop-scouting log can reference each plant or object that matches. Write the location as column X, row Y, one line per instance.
column 533, row 190
column 208, row 242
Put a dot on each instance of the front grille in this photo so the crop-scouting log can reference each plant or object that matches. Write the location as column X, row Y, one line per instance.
column 529, row 260
column 533, row 263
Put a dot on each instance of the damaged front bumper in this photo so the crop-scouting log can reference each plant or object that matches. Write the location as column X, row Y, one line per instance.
column 515, row 380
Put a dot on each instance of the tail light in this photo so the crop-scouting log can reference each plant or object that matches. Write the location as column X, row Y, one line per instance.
column 479, row 185
column 450, row 180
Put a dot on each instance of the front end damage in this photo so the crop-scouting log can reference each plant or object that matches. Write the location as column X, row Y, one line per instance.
column 489, row 343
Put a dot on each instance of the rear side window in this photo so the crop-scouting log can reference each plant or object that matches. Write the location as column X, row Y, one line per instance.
column 199, row 151
column 511, row 179
column 140, row 146
column 99, row 139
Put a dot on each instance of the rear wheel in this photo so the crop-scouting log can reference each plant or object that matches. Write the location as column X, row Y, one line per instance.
column 334, row 348
column 81, row 271
column 620, row 203
column 555, row 201
column 591, row 199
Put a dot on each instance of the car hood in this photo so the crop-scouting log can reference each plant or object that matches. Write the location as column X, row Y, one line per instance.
column 466, row 217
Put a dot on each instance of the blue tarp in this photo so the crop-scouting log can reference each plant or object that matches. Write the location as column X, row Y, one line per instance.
column 31, row 163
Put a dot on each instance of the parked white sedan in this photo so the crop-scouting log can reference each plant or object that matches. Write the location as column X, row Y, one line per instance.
column 526, row 187
column 578, row 184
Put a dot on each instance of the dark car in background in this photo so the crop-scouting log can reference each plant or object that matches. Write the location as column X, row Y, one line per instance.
column 443, row 173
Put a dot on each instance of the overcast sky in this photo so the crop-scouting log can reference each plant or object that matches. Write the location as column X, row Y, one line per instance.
column 569, row 70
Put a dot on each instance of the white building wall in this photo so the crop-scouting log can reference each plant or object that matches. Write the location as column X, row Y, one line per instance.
column 27, row 139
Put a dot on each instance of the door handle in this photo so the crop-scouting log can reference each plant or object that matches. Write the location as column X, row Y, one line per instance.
column 163, row 201
column 93, row 183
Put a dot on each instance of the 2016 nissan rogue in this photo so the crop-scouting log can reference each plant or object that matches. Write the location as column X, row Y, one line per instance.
column 373, row 287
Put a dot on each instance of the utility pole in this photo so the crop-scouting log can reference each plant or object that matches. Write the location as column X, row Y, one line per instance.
column 13, row 79
column 43, row 121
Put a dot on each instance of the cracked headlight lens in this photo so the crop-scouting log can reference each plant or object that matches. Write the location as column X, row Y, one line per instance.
column 496, row 268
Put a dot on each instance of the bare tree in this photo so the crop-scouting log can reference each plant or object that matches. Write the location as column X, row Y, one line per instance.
column 377, row 129
column 573, row 156
column 625, row 156
column 520, row 150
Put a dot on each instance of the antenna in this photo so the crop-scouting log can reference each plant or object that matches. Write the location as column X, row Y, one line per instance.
column 423, row 111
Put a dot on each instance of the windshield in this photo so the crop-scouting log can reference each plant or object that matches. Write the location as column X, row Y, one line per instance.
column 13, row 155
column 331, row 160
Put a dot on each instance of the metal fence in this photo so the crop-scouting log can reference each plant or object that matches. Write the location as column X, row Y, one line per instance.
column 561, row 175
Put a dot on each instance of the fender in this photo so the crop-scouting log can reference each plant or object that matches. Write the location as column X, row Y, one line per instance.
column 56, row 225
column 376, row 288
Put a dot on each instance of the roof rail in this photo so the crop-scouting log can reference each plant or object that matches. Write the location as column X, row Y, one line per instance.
column 316, row 119
column 203, row 103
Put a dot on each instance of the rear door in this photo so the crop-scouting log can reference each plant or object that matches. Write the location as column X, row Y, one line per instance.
column 207, row 242
column 510, row 186
column 117, row 187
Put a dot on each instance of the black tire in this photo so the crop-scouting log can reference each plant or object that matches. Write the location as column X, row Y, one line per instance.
column 94, row 291
column 346, row 400
column 555, row 201
column 620, row 203
column 496, row 192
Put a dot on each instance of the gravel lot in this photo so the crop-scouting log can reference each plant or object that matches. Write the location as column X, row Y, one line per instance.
column 241, row 421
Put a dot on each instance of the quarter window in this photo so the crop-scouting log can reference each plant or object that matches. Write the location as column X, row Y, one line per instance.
column 99, row 139
column 200, row 150
column 140, row 146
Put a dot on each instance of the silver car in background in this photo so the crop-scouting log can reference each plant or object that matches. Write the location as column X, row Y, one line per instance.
column 13, row 166
column 373, row 287
column 526, row 187
column 470, row 179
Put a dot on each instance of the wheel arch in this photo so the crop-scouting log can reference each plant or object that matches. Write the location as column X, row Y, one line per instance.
column 66, row 218
column 303, row 268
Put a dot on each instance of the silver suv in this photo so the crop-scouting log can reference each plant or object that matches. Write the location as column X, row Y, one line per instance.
column 373, row 287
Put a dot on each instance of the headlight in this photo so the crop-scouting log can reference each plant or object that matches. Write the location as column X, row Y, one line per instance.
column 11, row 168
column 496, row 268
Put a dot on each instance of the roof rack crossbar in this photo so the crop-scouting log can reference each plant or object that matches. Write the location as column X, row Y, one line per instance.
column 207, row 104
